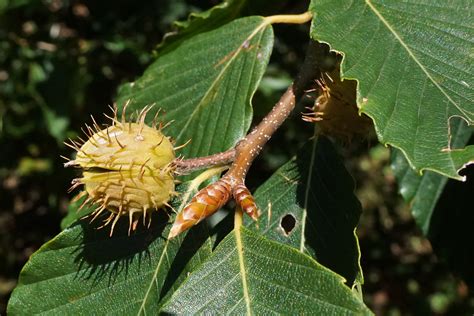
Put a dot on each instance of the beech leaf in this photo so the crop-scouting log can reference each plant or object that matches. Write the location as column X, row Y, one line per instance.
column 413, row 64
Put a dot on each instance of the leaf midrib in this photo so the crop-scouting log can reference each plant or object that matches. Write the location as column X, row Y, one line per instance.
column 242, row 269
column 218, row 77
column 397, row 36
column 307, row 191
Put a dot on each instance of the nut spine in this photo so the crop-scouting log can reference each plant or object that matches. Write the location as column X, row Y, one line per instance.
column 127, row 169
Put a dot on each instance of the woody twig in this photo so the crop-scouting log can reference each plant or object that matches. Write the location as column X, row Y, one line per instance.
column 211, row 198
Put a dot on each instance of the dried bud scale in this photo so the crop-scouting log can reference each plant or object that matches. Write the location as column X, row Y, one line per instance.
column 246, row 201
column 205, row 203
column 210, row 199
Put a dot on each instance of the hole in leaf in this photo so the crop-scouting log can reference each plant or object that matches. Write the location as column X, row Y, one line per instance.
column 288, row 223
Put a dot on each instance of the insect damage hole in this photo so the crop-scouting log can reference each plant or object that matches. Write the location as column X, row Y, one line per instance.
column 288, row 223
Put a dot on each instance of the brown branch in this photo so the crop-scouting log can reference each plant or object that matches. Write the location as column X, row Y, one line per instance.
column 251, row 146
column 211, row 198
column 185, row 166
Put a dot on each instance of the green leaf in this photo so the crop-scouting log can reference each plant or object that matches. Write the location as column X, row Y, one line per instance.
column 6, row 5
column 309, row 204
column 205, row 85
column 95, row 265
column 83, row 270
column 201, row 22
column 253, row 275
column 74, row 214
column 413, row 63
column 57, row 125
column 422, row 192
column 442, row 208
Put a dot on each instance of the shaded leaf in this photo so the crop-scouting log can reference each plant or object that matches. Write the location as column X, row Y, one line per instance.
column 6, row 5
column 422, row 192
column 201, row 22
column 442, row 208
column 94, row 265
column 412, row 62
column 103, row 259
column 83, row 269
column 253, row 275
column 57, row 125
column 450, row 230
column 74, row 214
column 309, row 204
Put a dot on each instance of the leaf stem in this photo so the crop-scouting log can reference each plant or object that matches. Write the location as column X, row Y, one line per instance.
column 185, row 166
column 289, row 18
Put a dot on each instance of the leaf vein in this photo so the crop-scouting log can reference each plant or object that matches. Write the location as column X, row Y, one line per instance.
column 412, row 55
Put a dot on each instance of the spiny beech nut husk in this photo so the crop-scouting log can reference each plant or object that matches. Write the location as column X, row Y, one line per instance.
column 126, row 170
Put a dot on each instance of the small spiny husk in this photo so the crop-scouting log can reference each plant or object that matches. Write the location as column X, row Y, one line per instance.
column 335, row 110
column 127, row 169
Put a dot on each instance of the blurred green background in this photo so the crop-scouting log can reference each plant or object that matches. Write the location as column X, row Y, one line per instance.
column 62, row 61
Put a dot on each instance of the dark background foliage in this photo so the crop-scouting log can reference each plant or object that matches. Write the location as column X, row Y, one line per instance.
column 61, row 61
